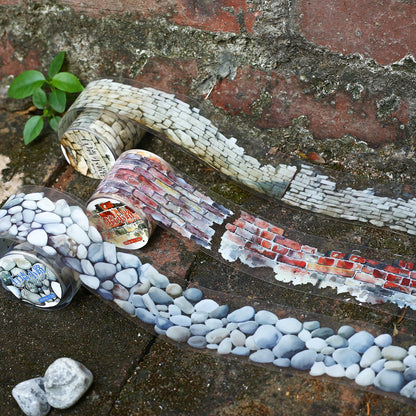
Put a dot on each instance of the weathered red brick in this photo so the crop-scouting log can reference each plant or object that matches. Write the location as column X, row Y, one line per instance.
column 345, row 264
column 393, row 278
column 267, row 234
column 394, row 286
column 409, row 266
column 357, row 259
column 291, row 261
column 396, row 270
column 230, row 227
column 261, row 223
column 287, row 242
column 383, row 31
column 308, row 249
column 234, row 238
column 367, row 278
column 405, row 282
column 266, row 244
column 379, row 273
column 326, row 261
column 280, row 249
column 330, row 269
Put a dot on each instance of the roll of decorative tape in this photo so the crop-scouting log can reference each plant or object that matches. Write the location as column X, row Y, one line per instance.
column 92, row 139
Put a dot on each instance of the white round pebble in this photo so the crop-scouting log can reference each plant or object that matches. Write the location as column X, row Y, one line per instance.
column 393, row 352
column 370, row 356
column 204, row 305
column 289, row 326
column 352, row 371
column 316, row 344
column 37, row 237
column 304, row 335
column 217, row 335
column 238, row 338
column 225, row 346
column 383, row 340
column 174, row 290
column 318, row 369
column 178, row 333
column 366, row 377
column 395, row 365
column 262, row 356
column 336, row 370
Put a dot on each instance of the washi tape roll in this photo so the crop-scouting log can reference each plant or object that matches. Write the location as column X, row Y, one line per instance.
column 35, row 279
column 92, row 139
column 114, row 207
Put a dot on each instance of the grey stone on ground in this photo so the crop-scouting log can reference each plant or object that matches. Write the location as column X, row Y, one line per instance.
column 66, row 381
column 31, row 397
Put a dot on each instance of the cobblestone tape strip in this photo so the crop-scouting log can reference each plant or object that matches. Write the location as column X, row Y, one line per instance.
column 174, row 120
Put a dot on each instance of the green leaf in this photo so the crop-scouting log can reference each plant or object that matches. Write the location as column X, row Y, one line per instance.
column 57, row 100
column 25, row 84
column 54, row 122
column 56, row 64
column 67, row 82
column 32, row 129
column 39, row 98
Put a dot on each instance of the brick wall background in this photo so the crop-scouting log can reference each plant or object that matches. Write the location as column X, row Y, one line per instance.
column 292, row 79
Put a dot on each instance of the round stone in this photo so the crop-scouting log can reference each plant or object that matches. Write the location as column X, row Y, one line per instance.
column 95, row 252
column 409, row 390
column 225, row 346
column 220, row 312
column 199, row 329
column 217, row 335
column 79, row 217
column 105, row 271
column 193, row 294
column 93, row 233
column 346, row 356
column 198, row 317
column 346, row 331
column 62, row 208
column 282, row 362
column 393, row 352
column 240, row 351
column 336, row 370
column 303, row 360
column 78, row 234
column 146, row 316
column 352, row 371
column 47, row 218
column 389, row 381
column 370, row 356
column 159, row 296
column 205, row 305
column 238, row 338
column 288, row 346
column 120, row 292
column 178, row 333
column 365, row 377
column 410, row 373
column 318, row 369
column 316, row 344
column 246, row 313
column 181, row 320
column 197, row 342
column 128, row 277
column 383, row 340
column 378, row 365
column 311, row 325
column 266, row 336
column 213, row 323
column 265, row 318
column 361, row 341
column 323, row 332
column 249, row 327
column 163, row 323
column 125, row 306
column 337, row 341
column 128, row 261
column 31, row 397
column 185, row 306
column 289, row 326
column 262, row 356
column 395, row 365
column 38, row 237
column 174, row 290
column 45, row 204
column 110, row 252
column 87, row 267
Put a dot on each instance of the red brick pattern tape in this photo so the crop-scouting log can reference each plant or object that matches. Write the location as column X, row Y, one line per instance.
column 257, row 243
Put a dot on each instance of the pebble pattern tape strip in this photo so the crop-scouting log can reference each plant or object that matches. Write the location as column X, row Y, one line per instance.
column 177, row 121
column 186, row 316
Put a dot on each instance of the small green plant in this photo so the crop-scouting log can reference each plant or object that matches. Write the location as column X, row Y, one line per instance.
column 49, row 94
